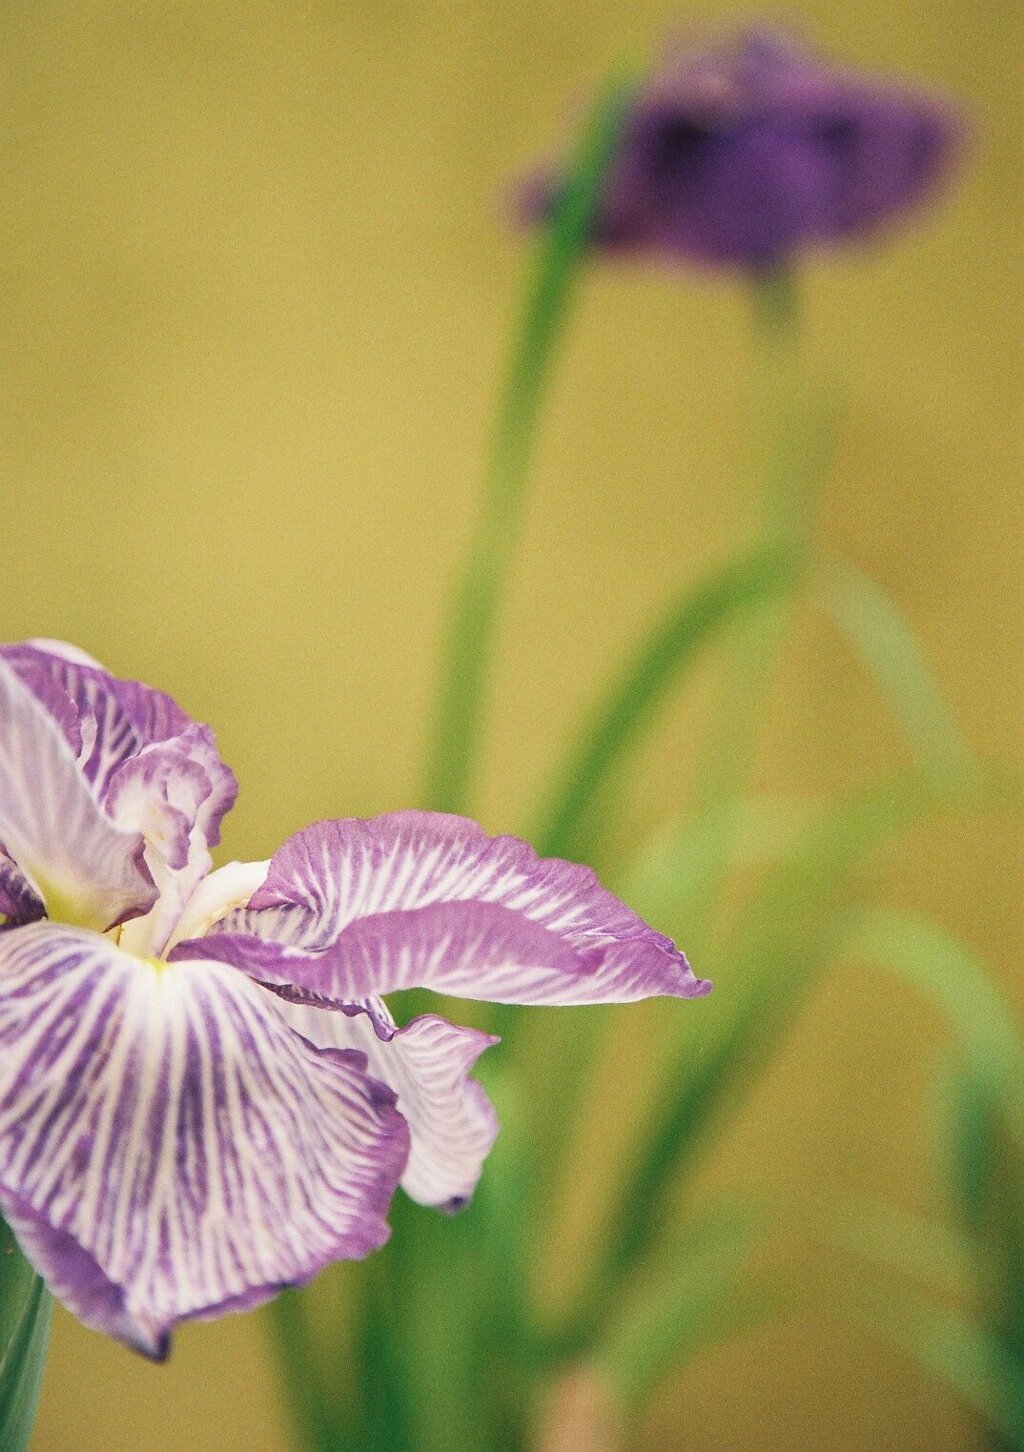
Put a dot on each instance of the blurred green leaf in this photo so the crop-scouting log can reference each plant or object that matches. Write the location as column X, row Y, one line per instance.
column 952, row 1347
column 986, row 1154
column 883, row 638
column 25, row 1310
column 676, row 865
column 959, row 985
column 791, row 930
column 684, row 1304
column 420, row 1354
column 984, row 1119
column 670, row 872
column 675, row 645
column 470, row 640
column 381, row 1348
column 316, row 1420
column 505, row 1219
column 899, row 1240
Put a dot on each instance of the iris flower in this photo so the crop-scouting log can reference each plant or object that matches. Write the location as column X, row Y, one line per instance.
column 751, row 148
column 203, row 1097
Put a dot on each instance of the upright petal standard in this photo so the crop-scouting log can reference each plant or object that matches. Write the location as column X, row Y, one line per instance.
column 203, row 1096
column 748, row 149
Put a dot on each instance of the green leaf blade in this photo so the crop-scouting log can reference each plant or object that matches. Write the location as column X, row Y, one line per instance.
column 792, row 929
column 680, row 1307
column 692, row 621
column 883, row 638
column 25, row 1312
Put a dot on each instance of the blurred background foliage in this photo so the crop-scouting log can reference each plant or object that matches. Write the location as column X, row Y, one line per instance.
column 257, row 281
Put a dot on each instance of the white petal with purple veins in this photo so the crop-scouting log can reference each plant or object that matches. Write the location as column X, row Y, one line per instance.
column 118, row 718
column 353, row 908
column 103, row 727
column 452, row 1122
column 85, row 869
column 353, row 869
column 159, row 793
column 169, row 1147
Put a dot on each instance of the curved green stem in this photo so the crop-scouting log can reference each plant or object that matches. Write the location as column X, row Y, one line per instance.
column 692, row 620
column 790, row 450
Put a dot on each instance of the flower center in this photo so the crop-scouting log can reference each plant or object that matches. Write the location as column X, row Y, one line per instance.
column 123, row 941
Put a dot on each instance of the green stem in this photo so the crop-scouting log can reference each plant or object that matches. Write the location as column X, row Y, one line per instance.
column 754, row 595
column 794, row 449
column 469, row 649
column 386, row 1384
column 422, row 1361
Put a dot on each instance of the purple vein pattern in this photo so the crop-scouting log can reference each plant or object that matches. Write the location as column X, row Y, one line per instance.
column 420, row 899
column 160, row 1127
column 203, row 1096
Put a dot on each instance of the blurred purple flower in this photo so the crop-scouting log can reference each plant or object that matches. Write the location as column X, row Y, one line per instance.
column 749, row 149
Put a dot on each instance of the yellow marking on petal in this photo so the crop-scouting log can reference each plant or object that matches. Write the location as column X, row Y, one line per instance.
column 63, row 908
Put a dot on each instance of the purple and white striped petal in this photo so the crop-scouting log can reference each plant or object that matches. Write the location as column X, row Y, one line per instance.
column 84, row 868
column 151, row 770
column 175, row 793
column 152, row 715
column 116, row 719
column 352, row 908
column 159, row 793
column 169, row 1147
column 452, row 1122
column 123, row 716
column 183, row 774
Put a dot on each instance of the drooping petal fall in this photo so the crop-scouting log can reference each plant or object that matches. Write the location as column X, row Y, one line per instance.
column 169, row 1146
column 452, row 1122
column 352, row 908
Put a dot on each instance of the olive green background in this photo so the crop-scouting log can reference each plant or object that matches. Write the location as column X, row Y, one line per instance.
column 256, row 282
